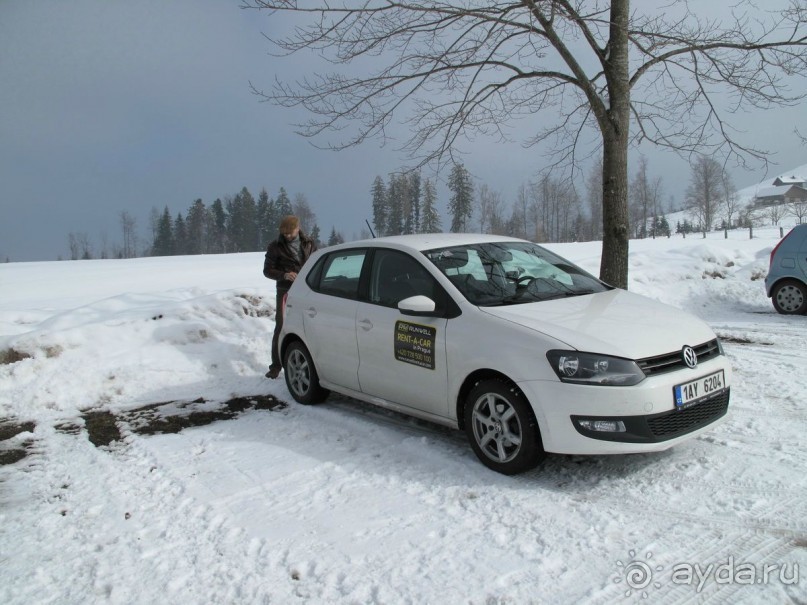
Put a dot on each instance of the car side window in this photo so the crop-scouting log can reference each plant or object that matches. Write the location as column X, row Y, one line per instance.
column 395, row 276
column 338, row 274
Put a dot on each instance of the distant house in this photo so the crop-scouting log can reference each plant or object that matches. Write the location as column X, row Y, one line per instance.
column 789, row 180
column 785, row 190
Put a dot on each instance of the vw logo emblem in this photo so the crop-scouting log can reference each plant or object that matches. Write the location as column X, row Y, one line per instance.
column 690, row 357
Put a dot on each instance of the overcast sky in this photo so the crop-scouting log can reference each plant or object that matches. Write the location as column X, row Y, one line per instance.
column 110, row 105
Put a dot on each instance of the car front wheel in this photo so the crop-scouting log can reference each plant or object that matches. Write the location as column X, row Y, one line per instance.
column 301, row 375
column 502, row 428
column 790, row 297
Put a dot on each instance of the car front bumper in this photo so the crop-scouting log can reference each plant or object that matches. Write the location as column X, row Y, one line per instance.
column 641, row 418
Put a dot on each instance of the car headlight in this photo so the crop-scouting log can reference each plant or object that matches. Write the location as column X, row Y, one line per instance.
column 594, row 369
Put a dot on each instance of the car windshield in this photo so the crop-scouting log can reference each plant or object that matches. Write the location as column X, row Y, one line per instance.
column 507, row 273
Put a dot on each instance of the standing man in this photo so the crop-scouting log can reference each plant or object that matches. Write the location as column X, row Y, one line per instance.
column 284, row 259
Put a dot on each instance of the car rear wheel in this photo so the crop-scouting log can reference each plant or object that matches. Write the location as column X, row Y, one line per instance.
column 301, row 375
column 789, row 297
column 502, row 428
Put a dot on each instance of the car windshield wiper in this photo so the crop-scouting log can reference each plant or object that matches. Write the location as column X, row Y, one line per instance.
column 525, row 297
column 510, row 300
column 562, row 295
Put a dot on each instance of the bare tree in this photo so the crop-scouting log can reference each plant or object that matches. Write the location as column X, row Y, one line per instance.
column 85, row 246
column 705, row 191
column 518, row 219
column 646, row 198
column 769, row 214
column 127, row 222
column 104, row 253
column 799, row 210
column 79, row 245
column 731, row 201
column 554, row 207
column 538, row 195
column 73, row 245
column 776, row 212
column 154, row 224
column 580, row 67
column 303, row 211
column 490, row 210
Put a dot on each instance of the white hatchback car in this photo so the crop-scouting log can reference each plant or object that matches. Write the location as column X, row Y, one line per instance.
column 500, row 337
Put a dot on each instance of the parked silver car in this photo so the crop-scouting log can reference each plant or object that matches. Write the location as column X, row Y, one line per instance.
column 786, row 283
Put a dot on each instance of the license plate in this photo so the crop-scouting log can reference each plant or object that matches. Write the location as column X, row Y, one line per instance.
column 695, row 391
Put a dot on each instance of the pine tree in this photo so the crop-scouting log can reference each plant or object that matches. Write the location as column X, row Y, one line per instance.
column 164, row 242
column 284, row 206
column 217, row 227
column 180, row 236
column 314, row 235
column 396, row 193
column 412, row 204
column 196, row 225
column 273, row 218
column 380, row 208
column 242, row 226
column 335, row 237
column 263, row 217
column 663, row 227
column 460, row 205
column 430, row 222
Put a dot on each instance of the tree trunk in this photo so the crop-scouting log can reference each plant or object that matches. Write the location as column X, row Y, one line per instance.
column 614, row 261
column 614, row 127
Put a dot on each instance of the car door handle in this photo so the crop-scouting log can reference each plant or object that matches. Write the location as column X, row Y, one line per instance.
column 311, row 312
column 366, row 324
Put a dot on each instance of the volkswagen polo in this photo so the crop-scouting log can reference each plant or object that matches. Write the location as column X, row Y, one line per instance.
column 500, row 337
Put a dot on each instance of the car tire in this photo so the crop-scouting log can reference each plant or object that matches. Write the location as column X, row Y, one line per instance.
column 789, row 297
column 501, row 428
column 301, row 375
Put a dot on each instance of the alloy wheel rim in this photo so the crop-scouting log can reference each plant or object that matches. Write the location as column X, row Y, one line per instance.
column 497, row 428
column 299, row 374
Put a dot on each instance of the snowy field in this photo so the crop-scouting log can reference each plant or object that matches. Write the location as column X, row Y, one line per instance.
column 341, row 503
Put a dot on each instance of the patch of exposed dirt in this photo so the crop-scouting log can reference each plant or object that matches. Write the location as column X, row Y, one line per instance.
column 172, row 416
column 9, row 356
column 8, row 430
column 103, row 427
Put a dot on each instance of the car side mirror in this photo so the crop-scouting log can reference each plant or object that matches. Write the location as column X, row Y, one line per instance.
column 417, row 305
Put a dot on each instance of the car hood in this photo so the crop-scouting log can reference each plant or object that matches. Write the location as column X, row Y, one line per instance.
column 616, row 322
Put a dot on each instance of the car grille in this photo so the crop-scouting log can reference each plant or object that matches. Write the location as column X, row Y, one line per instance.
column 690, row 419
column 675, row 361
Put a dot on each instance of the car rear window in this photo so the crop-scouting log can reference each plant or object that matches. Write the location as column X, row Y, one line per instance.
column 338, row 274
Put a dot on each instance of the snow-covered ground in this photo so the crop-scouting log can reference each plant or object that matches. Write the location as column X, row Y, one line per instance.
column 342, row 503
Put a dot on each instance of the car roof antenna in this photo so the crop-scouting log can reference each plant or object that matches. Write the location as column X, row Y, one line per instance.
column 370, row 228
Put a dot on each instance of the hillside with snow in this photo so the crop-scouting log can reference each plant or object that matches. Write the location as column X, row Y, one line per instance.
column 745, row 199
column 747, row 194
